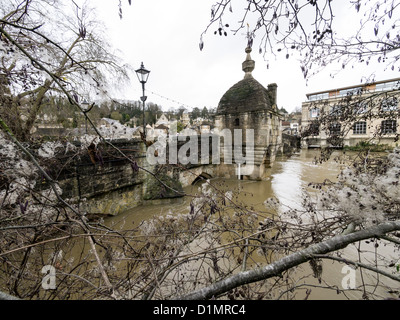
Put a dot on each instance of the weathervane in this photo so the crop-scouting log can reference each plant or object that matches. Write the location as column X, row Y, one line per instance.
column 249, row 36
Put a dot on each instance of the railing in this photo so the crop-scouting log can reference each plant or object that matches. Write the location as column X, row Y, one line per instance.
column 368, row 88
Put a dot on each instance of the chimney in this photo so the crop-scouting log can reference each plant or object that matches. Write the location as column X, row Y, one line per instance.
column 272, row 90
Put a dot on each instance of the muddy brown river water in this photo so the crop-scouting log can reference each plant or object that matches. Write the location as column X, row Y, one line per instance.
column 288, row 176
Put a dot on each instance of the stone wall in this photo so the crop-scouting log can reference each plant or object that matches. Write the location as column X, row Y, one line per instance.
column 267, row 140
column 101, row 180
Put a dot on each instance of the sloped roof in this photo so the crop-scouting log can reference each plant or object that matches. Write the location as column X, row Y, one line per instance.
column 162, row 126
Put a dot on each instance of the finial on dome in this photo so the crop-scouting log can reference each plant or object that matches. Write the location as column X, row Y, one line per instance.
column 249, row 64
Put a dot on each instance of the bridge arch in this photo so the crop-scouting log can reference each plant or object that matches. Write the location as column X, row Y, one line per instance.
column 201, row 176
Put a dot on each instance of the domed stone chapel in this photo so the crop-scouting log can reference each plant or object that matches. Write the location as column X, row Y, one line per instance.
column 249, row 105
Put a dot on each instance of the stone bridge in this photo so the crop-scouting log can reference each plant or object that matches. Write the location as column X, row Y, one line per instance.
column 104, row 182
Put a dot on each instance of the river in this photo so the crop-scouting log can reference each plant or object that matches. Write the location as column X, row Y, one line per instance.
column 288, row 176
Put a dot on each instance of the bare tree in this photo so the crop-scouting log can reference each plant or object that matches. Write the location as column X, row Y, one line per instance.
column 78, row 58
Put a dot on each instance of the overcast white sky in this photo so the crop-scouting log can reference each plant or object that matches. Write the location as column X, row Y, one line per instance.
column 165, row 35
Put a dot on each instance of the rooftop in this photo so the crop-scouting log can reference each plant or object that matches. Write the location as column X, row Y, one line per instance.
column 384, row 85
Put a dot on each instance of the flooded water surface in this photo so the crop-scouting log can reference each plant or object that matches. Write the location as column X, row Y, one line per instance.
column 288, row 177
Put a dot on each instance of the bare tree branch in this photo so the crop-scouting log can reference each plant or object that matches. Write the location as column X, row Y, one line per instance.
column 290, row 261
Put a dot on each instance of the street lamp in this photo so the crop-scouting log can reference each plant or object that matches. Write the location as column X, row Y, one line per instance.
column 143, row 75
column 85, row 108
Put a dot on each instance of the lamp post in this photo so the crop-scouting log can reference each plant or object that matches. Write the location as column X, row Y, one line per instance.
column 85, row 108
column 143, row 75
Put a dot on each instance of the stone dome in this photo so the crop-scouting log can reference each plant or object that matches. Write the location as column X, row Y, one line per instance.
column 245, row 96
column 248, row 94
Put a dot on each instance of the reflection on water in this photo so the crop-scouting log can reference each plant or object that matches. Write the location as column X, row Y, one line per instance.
column 287, row 182
column 288, row 177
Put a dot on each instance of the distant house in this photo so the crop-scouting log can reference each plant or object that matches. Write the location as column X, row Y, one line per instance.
column 108, row 123
column 113, row 129
column 161, row 130
column 206, row 127
column 185, row 119
column 163, row 120
column 285, row 126
column 198, row 121
column 294, row 128
column 291, row 125
column 133, row 122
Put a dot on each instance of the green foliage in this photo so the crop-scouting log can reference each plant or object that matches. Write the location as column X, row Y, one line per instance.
column 74, row 121
column 179, row 126
column 368, row 146
column 195, row 113
column 125, row 118
column 204, row 113
column 115, row 115
column 162, row 187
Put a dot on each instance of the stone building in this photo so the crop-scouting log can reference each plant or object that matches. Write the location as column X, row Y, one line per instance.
column 162, row 120
column 185, row 118
column 248, row 105
column 373, row 108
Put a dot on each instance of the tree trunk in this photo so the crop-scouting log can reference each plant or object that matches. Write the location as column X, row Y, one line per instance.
column 34, row 110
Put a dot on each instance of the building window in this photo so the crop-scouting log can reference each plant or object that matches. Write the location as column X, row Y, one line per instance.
column 335, row 129
column 337, row 110
column 320, row 96
column 389, row 104
column 314, row 113
column 361, row 107
column 387, row 86
column 360, row 128
column 314, row 128
column 237, row 122
column 350, row 92
column 388, row 126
